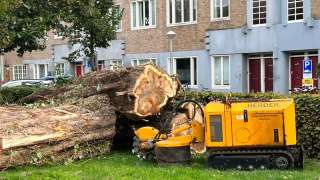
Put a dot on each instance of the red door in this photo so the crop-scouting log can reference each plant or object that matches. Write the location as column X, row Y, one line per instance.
column 297, row 71
column 79, row 70
column 314, row 70
column 268, row 74
column 254, row 75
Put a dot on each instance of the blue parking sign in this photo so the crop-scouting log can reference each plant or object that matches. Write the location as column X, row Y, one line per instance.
column 307, row 66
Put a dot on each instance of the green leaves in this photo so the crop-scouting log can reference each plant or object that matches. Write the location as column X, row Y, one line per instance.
column 25, row 23
column 91, row 23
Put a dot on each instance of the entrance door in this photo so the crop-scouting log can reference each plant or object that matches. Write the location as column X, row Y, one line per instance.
column 314, row 70
column 79, row 70
column 42, row 71
column 255, row 75
column 297, row 71
column 268, row 74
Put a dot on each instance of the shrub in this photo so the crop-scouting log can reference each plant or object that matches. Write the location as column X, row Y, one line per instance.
column 61, row 81
column 14, row 95
column 307, row 114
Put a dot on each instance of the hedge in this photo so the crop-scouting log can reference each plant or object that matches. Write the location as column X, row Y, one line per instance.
column 307, row 114
column 13, row 95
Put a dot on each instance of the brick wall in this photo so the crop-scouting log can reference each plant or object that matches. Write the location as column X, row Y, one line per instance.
column 189, row 37
column 12, row 57
column 316, row 9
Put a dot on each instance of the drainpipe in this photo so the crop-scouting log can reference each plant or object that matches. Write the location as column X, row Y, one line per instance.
column 1, row 66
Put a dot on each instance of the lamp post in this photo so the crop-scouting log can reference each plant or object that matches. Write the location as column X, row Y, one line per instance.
column 170, row 36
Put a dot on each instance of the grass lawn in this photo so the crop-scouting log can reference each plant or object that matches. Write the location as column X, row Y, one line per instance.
column 123, row 165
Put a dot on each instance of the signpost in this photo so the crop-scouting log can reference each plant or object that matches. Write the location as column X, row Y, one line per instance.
column 307, row 73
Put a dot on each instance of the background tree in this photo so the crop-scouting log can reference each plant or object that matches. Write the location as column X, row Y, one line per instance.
column 25, row 23
column 91, row 24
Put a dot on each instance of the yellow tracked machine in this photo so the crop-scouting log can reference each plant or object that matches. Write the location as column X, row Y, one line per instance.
column 237, row 135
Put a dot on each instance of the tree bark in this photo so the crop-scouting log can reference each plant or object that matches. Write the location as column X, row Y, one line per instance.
column 135, row 92
column 83, row 122
column 55, row 131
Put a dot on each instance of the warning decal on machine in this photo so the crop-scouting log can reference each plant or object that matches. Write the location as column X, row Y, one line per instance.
column 240, row 117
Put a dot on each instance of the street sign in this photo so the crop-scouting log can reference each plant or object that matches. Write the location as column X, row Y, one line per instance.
column 307, row 82
column 307, row 69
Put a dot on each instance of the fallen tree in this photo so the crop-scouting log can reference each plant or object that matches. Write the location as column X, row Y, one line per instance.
column 82, row 120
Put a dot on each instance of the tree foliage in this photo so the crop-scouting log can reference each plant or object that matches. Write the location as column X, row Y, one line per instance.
column 24, row 24
column 89, row 23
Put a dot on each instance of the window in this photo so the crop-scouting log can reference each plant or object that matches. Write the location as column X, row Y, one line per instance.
column 185, row 69
column 40, row 71
column 221, row 71
column 115, row 64
column 143, row 14
column 182, row 11
column 60, row 69
column 220, row 9
column 295, row 10
column 216, row 131
column 101, row 65
column 119, row 26
column 138, row 62
column 259, row 16
column 19, row 72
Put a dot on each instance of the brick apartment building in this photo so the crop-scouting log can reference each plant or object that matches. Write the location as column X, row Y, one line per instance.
column 221, row 45
column 34, row 65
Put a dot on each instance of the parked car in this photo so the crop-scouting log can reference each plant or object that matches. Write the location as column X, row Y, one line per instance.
column 31, row 82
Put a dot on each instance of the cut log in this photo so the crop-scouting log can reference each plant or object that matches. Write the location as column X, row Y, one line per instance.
column 136, row 92
column 83, row 122
column 36, row 135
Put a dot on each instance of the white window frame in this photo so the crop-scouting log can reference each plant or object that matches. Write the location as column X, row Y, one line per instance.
column 115, row 64
column 214, row 86
column 172, row 69
column 151, row 24
column 303, row 13
column 141, row 59
column 36, row 68
column 23, row 74
column 192, row 21
column 120, row 23
column 58, row 66
column 212, row 4
column 252, row 19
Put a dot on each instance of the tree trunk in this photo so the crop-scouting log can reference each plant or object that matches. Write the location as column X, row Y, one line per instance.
column 37, row 135
column 83, row 125
column 135, row 92
column 93, row 59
